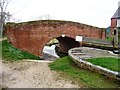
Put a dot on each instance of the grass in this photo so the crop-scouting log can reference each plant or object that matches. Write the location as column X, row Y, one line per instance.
column 86, row 78
column 107, row 62
column 10, row 53
column 109, row 39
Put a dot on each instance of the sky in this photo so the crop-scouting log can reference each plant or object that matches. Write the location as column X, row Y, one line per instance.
column 92, row 12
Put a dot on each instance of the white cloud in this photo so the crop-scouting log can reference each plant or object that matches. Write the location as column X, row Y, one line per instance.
column 92, row 12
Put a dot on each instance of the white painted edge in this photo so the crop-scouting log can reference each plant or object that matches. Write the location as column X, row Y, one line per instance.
column 47, row 61
column 79, row 38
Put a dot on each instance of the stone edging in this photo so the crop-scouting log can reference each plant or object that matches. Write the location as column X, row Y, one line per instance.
column 87, row 65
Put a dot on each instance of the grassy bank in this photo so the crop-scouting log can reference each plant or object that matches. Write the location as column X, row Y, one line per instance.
column 10, row 53
column 68, row 68
column 107, row 62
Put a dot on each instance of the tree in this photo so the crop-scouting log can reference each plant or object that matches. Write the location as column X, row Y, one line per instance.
column 4, row 15
column 42, row 17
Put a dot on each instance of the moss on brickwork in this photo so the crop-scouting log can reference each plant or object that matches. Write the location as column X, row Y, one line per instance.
column 51, row 22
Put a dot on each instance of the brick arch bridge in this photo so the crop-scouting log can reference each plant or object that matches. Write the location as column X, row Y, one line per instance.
column 32, row 36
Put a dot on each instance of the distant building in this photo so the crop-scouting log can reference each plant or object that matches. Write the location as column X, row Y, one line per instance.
column 115, row 22
column 115, row 27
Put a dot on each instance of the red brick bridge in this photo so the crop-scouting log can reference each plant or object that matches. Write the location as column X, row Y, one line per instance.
column 32, row 36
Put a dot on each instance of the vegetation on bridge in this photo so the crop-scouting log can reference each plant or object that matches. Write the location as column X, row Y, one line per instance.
column 69, row 69
column 50, row 22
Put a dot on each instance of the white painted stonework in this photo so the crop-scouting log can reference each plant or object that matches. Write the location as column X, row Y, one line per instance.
column 50, row 50
column 118, row 22
column 79, row 38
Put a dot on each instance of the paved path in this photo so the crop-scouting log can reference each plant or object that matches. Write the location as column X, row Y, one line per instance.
column 86, row 52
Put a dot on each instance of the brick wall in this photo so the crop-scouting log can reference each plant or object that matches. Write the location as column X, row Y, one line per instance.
column 32, row 36
column 113, row 25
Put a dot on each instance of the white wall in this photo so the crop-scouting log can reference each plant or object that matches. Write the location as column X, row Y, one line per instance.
column 118, row 23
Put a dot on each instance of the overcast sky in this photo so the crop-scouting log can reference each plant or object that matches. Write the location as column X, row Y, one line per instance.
column 92, row 12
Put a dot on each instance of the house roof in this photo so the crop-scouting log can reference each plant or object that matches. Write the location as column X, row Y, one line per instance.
column 117, row 14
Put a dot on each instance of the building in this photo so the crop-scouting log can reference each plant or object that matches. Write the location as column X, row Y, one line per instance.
column 115, row 22
column 115, row 27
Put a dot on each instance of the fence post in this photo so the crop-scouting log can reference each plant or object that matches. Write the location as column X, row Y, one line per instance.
column 115, row 44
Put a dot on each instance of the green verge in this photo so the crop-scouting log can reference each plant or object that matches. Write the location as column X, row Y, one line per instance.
column 83, row 77
column 109, row 39
column 107, row 62
column 11, row 53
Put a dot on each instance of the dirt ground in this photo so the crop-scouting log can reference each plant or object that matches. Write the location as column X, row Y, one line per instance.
column 29, row 74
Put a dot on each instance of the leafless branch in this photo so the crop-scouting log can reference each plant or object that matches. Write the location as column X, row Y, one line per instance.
column 6, row 5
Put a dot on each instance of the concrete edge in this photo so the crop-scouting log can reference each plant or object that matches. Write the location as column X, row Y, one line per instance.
column 87, row 65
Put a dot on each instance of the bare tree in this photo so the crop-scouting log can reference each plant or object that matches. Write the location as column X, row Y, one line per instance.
column 47, row 17
column 42, row 17
column 4, row 15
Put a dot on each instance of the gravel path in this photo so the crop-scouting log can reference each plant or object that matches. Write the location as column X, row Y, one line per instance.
column 28, row 74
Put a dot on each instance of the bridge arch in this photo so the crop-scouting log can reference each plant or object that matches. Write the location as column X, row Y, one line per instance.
column 64, row 43
column 32, row 36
